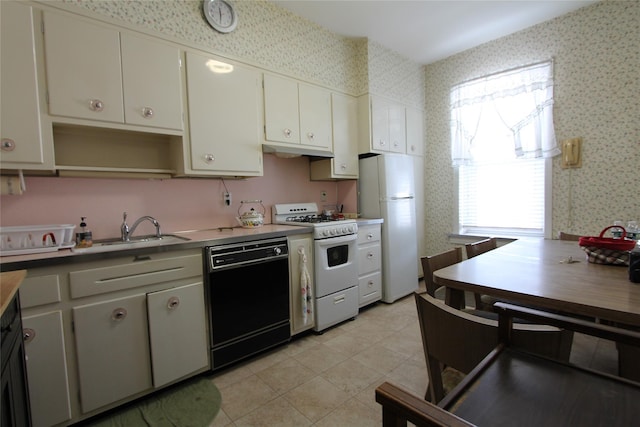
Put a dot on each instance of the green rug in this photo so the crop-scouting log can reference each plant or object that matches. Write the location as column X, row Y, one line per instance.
column 194, row 403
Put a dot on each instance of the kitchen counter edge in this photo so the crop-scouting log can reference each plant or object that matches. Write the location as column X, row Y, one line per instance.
column 198, row 239
column 369, row 221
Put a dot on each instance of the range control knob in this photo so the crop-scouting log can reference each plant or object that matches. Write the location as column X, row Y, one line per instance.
column 277, row 251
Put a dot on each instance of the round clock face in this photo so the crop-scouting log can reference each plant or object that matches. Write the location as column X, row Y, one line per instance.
column 220, row 15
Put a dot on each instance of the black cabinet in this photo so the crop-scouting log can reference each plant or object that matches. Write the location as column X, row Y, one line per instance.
column 15, row 397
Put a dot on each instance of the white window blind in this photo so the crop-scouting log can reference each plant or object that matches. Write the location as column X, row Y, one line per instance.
column 502, row 199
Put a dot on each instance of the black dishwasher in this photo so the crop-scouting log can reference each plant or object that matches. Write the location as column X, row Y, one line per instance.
column 248, row 294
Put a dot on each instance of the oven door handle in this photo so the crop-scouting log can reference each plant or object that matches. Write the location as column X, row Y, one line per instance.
column 332, row 241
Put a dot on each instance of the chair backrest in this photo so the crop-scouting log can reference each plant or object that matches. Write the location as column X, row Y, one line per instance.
column 461, row 340
column 436, row 262
column 566, row 236
column 480, row 247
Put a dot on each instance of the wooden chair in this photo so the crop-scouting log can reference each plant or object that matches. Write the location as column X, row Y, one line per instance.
column 436, row 262
column 461, row 340
column 566, row 236
column 513, row 387
column 483, row 302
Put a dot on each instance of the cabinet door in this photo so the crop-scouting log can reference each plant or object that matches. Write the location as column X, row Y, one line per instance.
column 315, row 116
column 379, row 125
column 151, row 82
column 415, row 132
column 177, row 332
column 397, row 128
column 83, row 69
column 112, row 345
column 47, row 369
column 22, row 144
column 225, row 117
column 281, row 109
column 299, row 322
column 345, row 136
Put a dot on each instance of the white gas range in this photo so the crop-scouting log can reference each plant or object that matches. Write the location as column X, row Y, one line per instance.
column 335, row 289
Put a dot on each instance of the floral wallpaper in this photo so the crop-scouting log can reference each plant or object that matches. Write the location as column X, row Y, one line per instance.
column 267, row 36
column 596, row 57
column 596, row 53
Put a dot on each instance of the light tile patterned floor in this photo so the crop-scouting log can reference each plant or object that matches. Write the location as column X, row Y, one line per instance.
column 329, row 379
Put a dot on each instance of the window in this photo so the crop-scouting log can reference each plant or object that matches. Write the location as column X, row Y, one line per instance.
column 502, row 141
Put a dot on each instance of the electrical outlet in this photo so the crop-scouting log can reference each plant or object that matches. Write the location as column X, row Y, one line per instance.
column 227, row 198
column 323, row 196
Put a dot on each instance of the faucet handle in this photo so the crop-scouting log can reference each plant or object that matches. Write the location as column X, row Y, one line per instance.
column 124, row 216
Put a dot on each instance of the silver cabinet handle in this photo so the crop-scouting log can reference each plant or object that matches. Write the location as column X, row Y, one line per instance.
column 370, row 255
column 173, row 303
column 287, row 133
column 310, row 135
column 8, row 144
column 28, row 334
column 370, row 283
column 395, row 143
column 369, row 236
column 209, row 158
column 119, row 314
column 147, row 112
column 382, row 143
column 343, row 166
column 96, row 105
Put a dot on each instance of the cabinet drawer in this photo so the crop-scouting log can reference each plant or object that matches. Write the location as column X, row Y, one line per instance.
column 41, row 290
column 133, row 274
column 368, row 234
column 369, row 259
column 370, row 288
column 340, row 305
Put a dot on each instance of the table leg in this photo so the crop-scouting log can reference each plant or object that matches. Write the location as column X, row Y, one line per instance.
column 454, row 298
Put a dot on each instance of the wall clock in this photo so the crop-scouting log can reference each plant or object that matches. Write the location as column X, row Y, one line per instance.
column 220, row 15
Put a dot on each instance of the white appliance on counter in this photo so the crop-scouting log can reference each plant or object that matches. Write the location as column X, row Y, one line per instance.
column 335, row 289
column 386, row 190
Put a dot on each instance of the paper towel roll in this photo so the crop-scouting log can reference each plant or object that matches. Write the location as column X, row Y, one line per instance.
column 10, row 186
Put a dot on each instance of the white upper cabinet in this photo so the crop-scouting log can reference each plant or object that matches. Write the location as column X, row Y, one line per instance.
column 415, row 132
column 94, row 72
column 397, row 128
column 151, row 83
column 23, row 144
column 297, row 113
column 225, row 118
column 315, row 116
column 282, row 114
column 383, row 126
column 344, row 164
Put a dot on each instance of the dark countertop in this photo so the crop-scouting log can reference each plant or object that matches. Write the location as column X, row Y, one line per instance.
column 197, row 239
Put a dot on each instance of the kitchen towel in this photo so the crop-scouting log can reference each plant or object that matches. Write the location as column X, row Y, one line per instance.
column 305, row 287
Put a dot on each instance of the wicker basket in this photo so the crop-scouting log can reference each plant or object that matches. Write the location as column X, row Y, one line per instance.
column 607, row 250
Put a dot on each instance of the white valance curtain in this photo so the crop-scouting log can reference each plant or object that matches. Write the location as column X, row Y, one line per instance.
column 513, row 106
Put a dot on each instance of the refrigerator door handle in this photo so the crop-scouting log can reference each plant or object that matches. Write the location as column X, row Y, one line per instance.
column 397, row 198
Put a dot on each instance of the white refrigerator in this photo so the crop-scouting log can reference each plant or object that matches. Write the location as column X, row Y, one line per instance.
column 386, row 190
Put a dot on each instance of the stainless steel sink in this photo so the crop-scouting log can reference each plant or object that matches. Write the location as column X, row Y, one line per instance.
column 107, row 245
column 164, row 239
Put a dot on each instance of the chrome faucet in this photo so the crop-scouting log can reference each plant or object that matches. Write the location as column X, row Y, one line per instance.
column 127, row 232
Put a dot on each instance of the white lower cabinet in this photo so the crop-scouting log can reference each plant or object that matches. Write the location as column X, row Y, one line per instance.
column 47, row 368
column 112, row 349
column 177, row 332
column 102, row 333
column 369, row 264
column 299, row 246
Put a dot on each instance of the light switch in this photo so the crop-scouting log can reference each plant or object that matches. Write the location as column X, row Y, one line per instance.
column 572, row 153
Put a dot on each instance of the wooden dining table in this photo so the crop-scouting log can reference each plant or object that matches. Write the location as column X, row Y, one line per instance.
column 547, row 274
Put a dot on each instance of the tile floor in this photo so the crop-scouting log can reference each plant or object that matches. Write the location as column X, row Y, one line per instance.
column 329, row 379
